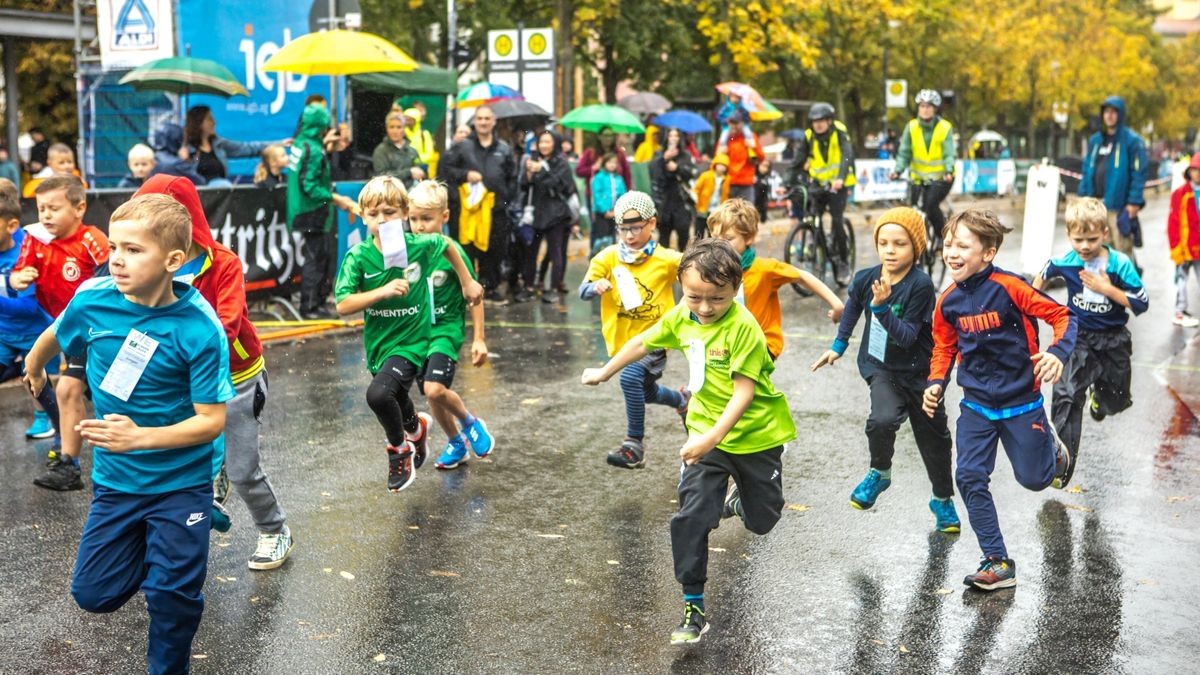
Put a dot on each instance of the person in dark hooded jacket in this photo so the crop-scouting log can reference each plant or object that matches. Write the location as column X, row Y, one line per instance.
column 549, row 182
column 1115, row 170
column 167, row 157
column 671, row 172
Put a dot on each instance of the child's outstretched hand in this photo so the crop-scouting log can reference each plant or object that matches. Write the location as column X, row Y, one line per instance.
column 881, row 290
column 473, row 292
column 396, row 288
column 602, row 286
column 115, row 433
column 826, row 359
column 1046, row 367
column 835, row 312
column 695, row 448
column 479, row 353
column 593, row 376
column 929, row 402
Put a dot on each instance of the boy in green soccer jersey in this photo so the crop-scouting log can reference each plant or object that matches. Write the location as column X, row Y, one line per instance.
column 385, row 278
column 427, row 214
column 737, row 422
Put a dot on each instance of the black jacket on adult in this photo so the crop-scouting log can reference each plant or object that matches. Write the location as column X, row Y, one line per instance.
column 671, row 187
column 552, row 187
column 496, row 163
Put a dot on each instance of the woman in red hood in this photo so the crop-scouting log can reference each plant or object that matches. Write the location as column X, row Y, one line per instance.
column 216, row 272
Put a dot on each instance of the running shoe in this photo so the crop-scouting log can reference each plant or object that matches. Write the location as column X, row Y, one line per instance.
column 733, row 503
column 994, row 573
column 1186, row 320
column 41, row 427
column 454, row 454
column 868, row 490
column 1094, row 406
column 400, row 466
column 420, row 444
column 482, row 441
column 693, row 626
column 1064, row 463
column 59, row 476
column 273, row 550
column 631, row 455
column 945, row 514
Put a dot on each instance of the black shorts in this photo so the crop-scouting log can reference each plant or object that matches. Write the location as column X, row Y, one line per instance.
column 439, row 368
column 76, row 367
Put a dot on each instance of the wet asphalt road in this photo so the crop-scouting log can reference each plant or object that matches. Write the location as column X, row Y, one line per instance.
column 544, row 559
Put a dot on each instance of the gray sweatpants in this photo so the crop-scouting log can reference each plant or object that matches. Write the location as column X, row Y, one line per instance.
column 242, row 462
column 1181, row 278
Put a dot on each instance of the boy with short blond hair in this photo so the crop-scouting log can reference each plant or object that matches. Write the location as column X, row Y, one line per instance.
column 60, row 253
column 986, row 322
column 428, row 210
column 158, row 370
column 393, row 295
column 1103, row 286
column 737, row 421
column 634, row 280
column 141, row 164
column 736, row 221
column 60, row 161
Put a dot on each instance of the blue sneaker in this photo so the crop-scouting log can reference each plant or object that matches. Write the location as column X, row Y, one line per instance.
column 868, row 490
column 41, row 427
column 946, row 514
column 454, row 454
column 482, row 442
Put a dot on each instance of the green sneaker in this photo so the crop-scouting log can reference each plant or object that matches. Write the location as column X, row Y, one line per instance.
column 692, row 627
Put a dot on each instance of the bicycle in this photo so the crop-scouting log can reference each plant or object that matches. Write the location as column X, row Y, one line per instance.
column 931, row 258
column 807, row 246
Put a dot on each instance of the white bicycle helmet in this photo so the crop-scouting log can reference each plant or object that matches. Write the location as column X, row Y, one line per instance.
column 929, row 96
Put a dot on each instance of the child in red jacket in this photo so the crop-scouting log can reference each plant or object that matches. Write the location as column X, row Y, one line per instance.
column 1183, row 233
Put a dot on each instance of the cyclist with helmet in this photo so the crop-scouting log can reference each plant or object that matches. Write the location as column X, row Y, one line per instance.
column 927, row 151
column 825, row 158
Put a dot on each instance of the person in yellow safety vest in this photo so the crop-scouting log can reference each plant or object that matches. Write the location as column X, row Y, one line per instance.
column 825, row 158
column 927, row 151
column 421, row 140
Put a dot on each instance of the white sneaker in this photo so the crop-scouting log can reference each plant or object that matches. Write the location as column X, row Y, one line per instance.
column 272, row 550
column 1186, row 320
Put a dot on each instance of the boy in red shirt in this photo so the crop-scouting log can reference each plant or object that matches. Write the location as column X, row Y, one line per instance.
column 60, row 253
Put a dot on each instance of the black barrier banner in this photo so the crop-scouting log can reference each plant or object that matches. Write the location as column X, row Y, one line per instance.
column 249, row 220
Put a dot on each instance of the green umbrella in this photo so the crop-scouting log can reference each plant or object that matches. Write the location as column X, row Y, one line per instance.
column 185, row 75
column 596, row 117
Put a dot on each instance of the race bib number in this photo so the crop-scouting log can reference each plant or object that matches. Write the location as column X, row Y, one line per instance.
column 129, row 365
column 391, row 240
column 696, row 362
column 627, row 288
column 878, row 340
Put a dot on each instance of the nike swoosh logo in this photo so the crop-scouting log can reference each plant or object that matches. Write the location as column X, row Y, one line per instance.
column 194, row 518
column 92, row 332
column 371, row 276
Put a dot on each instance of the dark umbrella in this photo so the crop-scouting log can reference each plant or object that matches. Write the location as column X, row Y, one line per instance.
column 645, row 103
column 793, row 134
column 520, row 114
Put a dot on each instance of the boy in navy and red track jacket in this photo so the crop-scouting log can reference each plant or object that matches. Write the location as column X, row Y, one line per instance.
column 988, row 320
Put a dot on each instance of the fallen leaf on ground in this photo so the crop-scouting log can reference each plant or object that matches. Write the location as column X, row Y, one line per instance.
column 346, row 575
column 254, row 600
column 322, row 636
column 414, row 527
column 903, row 649
column 1147, row 582
column 943, row 591
column 440, row 573
column 573, row 582
column 1178, row 498
column 302, row 622
column 877, row 641
column 531, row 401
column 380, row 658
column 613, row 562
column 327, row 570
column 797, row 507
column 199, row 656
column 1077, row 507
column 1076, row 489
column 552, row 536
column 714, row 549
column 326, row 494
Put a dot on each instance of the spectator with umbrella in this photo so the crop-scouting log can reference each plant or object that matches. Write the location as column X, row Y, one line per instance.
column 546, row 178
column 212, row 152
column 590, row 162
column 671, row 171
column 744, row 152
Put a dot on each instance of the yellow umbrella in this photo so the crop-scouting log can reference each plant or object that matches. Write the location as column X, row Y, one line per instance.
column 339, row 52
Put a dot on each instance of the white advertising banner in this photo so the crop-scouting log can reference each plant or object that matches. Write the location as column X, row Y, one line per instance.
column 134, row 32
column 1041, row 216
column 873, row 182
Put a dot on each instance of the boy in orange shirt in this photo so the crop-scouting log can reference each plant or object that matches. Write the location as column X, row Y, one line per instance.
column 736, row 221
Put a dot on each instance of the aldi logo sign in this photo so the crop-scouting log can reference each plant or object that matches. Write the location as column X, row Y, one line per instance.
column 134, row 32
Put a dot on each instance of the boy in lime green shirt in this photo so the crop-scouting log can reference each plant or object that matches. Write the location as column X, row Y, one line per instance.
column 385, row 278
column 737, row 422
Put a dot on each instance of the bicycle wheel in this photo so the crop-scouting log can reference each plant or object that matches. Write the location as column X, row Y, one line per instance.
column 851, row 249
column 801, row 251
column 931, row 258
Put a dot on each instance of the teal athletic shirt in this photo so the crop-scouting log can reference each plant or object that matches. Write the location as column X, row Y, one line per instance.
column 189, row 365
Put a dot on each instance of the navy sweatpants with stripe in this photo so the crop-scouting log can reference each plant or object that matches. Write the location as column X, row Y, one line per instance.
column 155, row 543
column 1031, row 451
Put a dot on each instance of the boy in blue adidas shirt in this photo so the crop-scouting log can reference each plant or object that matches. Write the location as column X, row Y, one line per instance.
column 158, row 370
column 22, row 319
column 1103, row 286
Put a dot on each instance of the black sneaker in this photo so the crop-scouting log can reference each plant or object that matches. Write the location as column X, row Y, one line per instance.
column 400, row 467
column 421, row 445
column 60, row 476
column 692, row 627
column 1064, row 463
column 1094, row 407
column 631, row 455
column 993, row 574
column 318, row 314
column 733, row 503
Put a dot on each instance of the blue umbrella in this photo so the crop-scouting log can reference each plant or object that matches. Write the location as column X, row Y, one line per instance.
column 793, row 134
column 684, row 120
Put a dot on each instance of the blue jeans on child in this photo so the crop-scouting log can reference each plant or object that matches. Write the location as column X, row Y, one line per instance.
column 1031, row 451
column 156, row 543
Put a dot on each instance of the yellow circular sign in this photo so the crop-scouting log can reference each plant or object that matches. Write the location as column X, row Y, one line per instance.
column 537, row 44
column 896, row 89
column 504, row 45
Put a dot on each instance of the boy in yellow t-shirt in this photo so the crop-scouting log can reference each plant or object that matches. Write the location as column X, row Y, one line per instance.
column 737, row 423
column 736, row 221
column 634, row 279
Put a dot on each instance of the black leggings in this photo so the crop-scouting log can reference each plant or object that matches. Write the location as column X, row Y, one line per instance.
column 931, row 195
column 388, row 397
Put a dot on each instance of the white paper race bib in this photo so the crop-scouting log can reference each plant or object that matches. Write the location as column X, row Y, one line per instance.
column 878, row 339
column 129, row 365
column 627, row 288
column 696, row 362
column 740, row 298
column 391, row 240
column 1094, row 266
